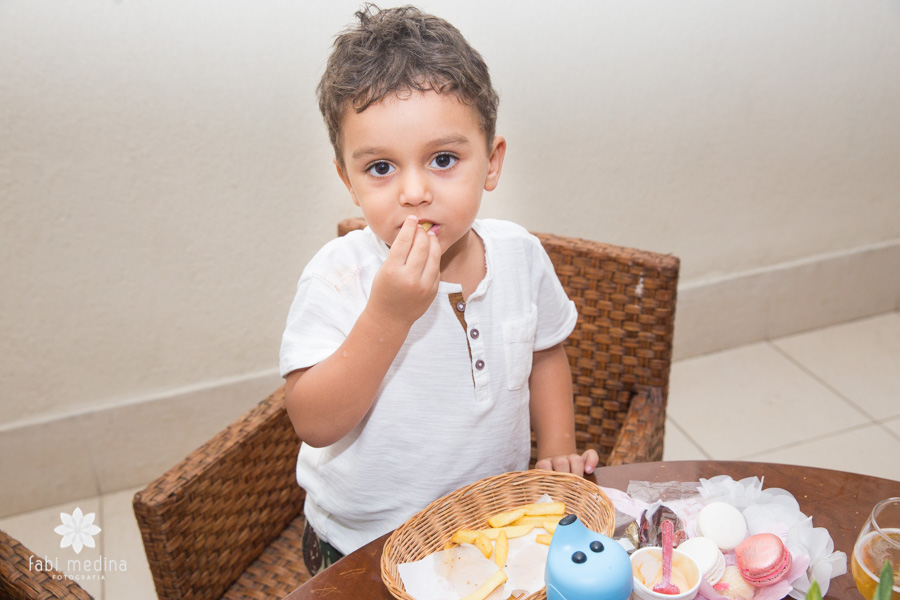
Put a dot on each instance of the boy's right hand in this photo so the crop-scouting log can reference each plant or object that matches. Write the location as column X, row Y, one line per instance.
column 407, row 282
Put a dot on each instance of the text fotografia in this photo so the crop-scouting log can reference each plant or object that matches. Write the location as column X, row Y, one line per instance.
column 78, row 569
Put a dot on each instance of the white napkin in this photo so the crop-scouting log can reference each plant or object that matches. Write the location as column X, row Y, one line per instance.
column 456, row 572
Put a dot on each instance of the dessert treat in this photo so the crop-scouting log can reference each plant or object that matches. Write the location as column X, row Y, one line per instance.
column 723, row 524
column 707, row 556
column 651, row 527
column 763, row 559
column 647, row 566
column 733, row 586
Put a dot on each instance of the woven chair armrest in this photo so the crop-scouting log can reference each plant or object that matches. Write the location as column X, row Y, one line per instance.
column 211, row 515
column 20, row 579
column 641, row 437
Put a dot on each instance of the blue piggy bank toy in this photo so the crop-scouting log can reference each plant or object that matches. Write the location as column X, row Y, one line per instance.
column 584, row 565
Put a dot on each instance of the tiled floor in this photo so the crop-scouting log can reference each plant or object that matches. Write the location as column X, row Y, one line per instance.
column 828, row 398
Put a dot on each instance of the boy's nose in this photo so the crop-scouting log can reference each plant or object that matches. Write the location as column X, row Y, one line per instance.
column 414, row 190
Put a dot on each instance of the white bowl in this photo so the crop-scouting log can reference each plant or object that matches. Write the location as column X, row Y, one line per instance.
column 649, row 560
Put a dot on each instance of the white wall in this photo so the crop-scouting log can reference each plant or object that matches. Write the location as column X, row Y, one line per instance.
column 164, row 173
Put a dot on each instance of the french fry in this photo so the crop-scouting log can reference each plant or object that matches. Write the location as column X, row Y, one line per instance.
column 511, row 531
column 464, row 536
column 543, row 538
column 545, row 508
column 550, row 526
column 505, row 518
column 492, row 583
column 484, row 544
column 536, row 520
column 501, row 549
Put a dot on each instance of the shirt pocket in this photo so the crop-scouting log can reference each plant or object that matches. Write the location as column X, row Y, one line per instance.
column 518, row 346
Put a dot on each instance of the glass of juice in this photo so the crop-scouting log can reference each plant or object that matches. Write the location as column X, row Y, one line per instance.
column 879, row 540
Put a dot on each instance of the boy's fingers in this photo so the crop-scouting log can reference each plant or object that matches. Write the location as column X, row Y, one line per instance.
column 591, row 460
column 433, row 263
column 418, row 251
column 544, row 464
column 404, row 240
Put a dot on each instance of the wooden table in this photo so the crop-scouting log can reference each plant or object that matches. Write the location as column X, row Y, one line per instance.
column 836, row 500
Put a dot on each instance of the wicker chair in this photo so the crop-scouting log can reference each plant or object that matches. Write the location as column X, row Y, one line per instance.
column 19, row 580
column 227, row 521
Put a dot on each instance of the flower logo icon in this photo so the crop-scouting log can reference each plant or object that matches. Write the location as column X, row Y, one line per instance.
column 77, row 530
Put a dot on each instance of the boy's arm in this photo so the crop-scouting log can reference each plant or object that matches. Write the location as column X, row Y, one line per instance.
column 326, row 401
column 553, row 414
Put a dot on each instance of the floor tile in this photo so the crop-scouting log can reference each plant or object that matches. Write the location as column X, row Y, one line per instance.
column 859, row 360
column 679, row 446
column 35, row 530
column 869, row 450
column 122, row 543
column 893, row 425
column 751, row 399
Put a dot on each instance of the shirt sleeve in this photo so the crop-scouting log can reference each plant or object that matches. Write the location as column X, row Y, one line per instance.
column 319, row 320
column 557, row 314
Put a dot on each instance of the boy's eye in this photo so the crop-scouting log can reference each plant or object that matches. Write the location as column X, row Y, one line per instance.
column 380, row 169
column 444, row 161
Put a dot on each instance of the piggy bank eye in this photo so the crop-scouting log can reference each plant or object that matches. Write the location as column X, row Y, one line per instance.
column 579, row 557
column 567, row 520
column 597, row 546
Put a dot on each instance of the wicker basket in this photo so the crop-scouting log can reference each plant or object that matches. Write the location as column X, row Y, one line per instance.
column 470, row 507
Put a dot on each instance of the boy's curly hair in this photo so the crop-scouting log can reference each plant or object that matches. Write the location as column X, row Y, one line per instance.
column 396, row 50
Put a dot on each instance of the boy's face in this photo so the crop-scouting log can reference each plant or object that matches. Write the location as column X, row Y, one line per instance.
column 420, row 154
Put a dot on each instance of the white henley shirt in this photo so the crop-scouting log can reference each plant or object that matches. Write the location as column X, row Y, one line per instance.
column 453, row 407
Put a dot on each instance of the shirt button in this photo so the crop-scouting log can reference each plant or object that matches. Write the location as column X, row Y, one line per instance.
column 474, row 334
column 479, row 364
column 460, row 306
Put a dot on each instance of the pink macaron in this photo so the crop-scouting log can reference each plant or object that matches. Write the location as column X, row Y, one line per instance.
column 763, row 559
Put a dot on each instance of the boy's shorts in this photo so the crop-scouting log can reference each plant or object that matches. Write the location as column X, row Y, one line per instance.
column 317, row 555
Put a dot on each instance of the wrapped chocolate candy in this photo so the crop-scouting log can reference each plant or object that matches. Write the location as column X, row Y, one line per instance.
column 650, row 533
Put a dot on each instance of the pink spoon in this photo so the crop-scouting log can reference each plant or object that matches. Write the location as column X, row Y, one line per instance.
column 666, row 586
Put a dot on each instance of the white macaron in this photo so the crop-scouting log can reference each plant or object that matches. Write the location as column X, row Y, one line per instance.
column 708, row 557
column 723, row 524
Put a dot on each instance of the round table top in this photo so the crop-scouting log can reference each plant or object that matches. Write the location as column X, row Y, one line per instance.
column 836, row 500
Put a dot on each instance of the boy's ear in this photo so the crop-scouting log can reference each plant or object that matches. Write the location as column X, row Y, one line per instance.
column 346, row 181
column 495, row 163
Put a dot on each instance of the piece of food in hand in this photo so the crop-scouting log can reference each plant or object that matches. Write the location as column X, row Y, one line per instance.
column 511, row 531
column 506, row 518
column 543, row 538
column 763, row 559
column 723, row 524
column 484, row 545
column 545, row 508
column 426, row 225
column 501, row 549
column 733, row 586
column 492, row 583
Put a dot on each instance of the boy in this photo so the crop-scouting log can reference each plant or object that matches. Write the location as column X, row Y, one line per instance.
column 419, row 352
